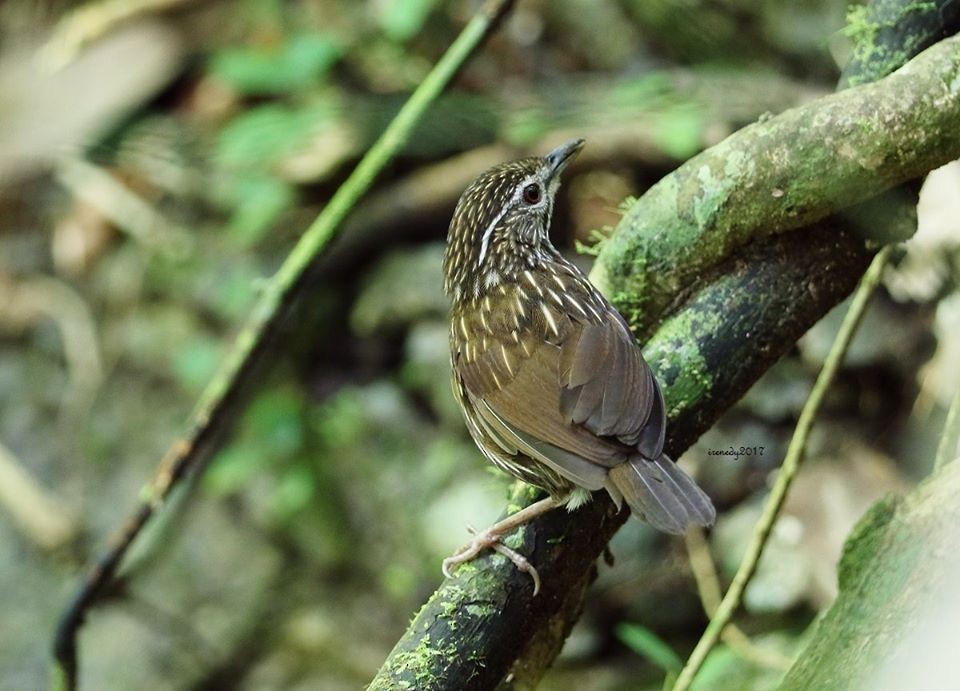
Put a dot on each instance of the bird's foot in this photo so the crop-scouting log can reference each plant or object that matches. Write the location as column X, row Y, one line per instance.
column 492, row 536
column 491, row 539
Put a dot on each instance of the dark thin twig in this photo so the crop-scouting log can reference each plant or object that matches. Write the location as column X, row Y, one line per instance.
column 210, row 415
column 788, row 471
column 708, row 586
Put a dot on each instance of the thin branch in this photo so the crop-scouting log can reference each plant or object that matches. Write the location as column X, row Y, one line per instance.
column 719, row 337
column 89, row 22
column 210, row 413
column 788, row 471
column 708, row 587
column 947, row 449
column 38, row 513
column 129, row 212
column 25, row 302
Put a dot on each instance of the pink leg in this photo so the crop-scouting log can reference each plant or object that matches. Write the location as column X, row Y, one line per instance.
column 490, row 539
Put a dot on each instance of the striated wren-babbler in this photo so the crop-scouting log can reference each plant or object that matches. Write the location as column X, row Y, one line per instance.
column 553, row 387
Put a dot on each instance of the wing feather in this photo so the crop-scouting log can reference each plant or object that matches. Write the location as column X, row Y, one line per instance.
column 570, row 465
column 613, row 395
column 653, row 433
column 573, row 393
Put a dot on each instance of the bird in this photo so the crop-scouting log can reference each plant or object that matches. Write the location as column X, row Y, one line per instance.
column 553, row 387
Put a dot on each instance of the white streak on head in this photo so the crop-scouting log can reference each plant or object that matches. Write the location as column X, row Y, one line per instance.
column 514, row 200
column 487, row 234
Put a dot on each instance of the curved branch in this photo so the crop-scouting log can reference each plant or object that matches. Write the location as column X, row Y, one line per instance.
column 780, row 174
column 477, row 625
column 483, row 625
column 212, row 412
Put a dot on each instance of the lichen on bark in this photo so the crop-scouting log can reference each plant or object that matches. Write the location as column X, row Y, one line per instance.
column 887, row 33
column 769, row 291
column 774, row 173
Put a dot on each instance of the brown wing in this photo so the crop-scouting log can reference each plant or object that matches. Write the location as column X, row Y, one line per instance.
column 573, row 392
column 609, row 389
column 525, row 413
column 569, row 388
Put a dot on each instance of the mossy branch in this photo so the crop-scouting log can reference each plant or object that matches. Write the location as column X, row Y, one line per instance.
column 780, row 174
column 785, row 476
column 887, row 33
column 212, row 411
column 892, row 625
column 737, row 320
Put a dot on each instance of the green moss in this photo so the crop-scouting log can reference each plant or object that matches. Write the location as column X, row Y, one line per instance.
column 418, row 663
column 676, row 360
column 514, row 540
column 859, row 26
column 873, row 56
column 863, row 543
column 597, row 239
column 624, row 206
column 716, row 180
column 481, row 609
column 448, row 609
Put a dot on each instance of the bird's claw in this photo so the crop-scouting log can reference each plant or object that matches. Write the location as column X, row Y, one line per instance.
column 491, row 540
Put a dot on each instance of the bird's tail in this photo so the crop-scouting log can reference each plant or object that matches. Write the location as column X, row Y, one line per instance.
column 661, row 494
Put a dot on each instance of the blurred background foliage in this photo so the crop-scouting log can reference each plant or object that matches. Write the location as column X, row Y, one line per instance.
column 159, row 158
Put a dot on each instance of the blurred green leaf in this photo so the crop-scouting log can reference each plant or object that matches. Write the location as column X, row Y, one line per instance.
column 294, row 65
column 232, row 468
column 644, row 92
column 526, row 127
column 259, row 200
column 276, row 419
column 233, row 290
column 679, row 132
column 399, row 580
column 645, row 642
column 196, row 361
column 263, row 135
column 401, row 20
column 248, row 150
column 293, row 492
column 341, row 421
column 270, row 439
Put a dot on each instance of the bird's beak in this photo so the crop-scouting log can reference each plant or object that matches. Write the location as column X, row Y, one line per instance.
column 558, row 159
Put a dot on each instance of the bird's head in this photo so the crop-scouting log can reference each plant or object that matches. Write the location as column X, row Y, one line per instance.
column 501, row 223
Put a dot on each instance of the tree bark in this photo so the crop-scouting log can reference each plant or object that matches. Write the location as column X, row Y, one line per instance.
column 477, row 624
column 781, row 174
column 728, row 297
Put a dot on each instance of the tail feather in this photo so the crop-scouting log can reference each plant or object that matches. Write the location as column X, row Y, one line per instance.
column 661, row 494
column 698, row 504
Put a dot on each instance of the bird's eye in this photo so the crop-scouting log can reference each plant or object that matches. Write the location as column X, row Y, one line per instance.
column 531, row 193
